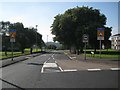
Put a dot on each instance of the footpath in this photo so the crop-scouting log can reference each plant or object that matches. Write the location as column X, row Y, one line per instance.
column 9, row 61
column 77, row 63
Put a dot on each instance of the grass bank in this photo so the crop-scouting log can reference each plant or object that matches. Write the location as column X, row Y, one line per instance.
column 15, row 54
column 105, row 53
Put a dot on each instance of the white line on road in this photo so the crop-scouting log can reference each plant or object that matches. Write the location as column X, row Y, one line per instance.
column 73, row 57
column 42, row 69
column 115, row 68
column 52, row 55
column 48, row 58
column 50, row 65
column 61, row 69
column 68, row 70
column 43, row 66
column 94, row 69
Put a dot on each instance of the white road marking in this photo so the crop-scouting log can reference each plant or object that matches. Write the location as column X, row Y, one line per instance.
column 115, row 68
column 70, row 70
column 94, row 69
column 42, row 69
column 48, row 58
column 28, row 57
column 52, row 55
column 46, row 66
column 73, row 57
column 45, row 62
column 56, row 62
column 61, row 69
column 50, row 65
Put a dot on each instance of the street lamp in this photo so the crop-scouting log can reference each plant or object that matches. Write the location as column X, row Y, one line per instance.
column 47, row 38
column 36, row 37
column 4, row 32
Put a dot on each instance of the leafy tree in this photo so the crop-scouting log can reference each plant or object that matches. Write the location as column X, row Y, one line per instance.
column 69, row 27
column 4, row 27
column 25, row 37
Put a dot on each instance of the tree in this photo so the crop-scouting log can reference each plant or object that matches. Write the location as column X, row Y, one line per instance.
column 25, row 38
column 69, row 27
column 4, row 27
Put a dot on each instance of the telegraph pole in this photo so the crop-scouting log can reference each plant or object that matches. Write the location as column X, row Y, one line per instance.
column 36, row 37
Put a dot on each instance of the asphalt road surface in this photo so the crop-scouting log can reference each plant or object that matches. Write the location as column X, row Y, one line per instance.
column 44, row 72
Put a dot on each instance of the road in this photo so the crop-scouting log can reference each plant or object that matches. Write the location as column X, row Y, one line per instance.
column 44, row 72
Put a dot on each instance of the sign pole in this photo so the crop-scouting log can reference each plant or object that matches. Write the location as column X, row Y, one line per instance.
column 100, row 48
column 12, row 49
column 85, row 40
column 85, row 51
column 100, row 36
column 12, row 33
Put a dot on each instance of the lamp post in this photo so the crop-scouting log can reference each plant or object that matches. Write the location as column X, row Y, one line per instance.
column 4, row 31
column 47, row 38
column 36, row 37
column 47, row 43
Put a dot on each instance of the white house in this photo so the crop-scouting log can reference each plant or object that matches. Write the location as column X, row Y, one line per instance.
column 115, row 42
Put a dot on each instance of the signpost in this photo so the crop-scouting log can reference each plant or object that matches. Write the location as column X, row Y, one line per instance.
column 100, row 36
column 85, row 40
column 12, row 33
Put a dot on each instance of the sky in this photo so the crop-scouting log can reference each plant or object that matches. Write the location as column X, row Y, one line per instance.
column 43, row 13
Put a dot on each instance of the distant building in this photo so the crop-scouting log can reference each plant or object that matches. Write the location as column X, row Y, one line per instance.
column 57, row 45
column 115, row 42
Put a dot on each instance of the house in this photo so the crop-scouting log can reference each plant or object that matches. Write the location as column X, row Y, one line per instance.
column 115, row 42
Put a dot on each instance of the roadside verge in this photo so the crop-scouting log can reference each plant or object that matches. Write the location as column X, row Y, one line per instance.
column 9, row 61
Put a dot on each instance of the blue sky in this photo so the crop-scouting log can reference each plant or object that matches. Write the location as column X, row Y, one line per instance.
column 43, row 13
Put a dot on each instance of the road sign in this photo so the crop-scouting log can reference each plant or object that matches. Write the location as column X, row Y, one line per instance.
column 12, row 33
column 85, row 38
column 100, row 33
column 12, row 39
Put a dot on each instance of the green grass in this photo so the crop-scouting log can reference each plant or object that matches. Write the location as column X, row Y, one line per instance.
column 9, row 54
column 107, row 56
column 106, row 53
column 102, row 50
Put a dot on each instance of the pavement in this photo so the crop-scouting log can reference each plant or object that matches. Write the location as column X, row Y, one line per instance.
column 9, row 61
column 77, row 63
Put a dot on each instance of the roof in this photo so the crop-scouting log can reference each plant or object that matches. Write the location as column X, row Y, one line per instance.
column 116, row 35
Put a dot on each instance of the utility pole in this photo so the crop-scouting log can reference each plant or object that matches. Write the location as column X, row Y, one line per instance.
column 47, row 38
column 47, row 43
column 36, row 37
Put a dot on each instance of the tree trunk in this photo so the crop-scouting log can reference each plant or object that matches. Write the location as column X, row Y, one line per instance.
column 31, row 50
column 81, row 50
column 22, row 51
column 73, row 50
column 78, row 52
column 5, row 51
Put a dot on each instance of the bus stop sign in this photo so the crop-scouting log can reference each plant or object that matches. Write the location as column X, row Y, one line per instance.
column 85, row 38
